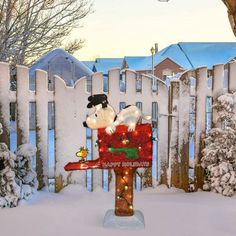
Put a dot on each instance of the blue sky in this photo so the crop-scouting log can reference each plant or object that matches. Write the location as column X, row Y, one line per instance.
column 130, row 27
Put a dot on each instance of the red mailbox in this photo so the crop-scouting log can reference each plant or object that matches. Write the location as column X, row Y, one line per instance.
column 126, row 149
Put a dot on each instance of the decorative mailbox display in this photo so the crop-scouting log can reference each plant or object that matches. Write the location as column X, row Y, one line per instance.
column 123, row 144
column 122, row 151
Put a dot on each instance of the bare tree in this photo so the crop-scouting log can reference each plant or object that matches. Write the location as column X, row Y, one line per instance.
column 29, row 28
column 74, row 45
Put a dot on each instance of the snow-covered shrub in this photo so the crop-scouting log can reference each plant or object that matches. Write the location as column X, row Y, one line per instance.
column 17, row 177
column 9, row 189
column 26, row 177
column 219, row 155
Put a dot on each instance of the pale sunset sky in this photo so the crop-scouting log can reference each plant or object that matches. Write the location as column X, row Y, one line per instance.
column 121, row 28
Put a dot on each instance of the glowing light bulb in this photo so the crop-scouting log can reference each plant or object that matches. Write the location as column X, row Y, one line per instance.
column 130, row 207
column 126, row 172
column 118, row 197
column 126, row 187
column 139, row 148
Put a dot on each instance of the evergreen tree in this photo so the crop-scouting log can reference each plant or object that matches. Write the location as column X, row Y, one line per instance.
column 219, row 155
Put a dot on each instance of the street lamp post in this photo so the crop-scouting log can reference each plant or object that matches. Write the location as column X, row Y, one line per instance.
column 153, row 80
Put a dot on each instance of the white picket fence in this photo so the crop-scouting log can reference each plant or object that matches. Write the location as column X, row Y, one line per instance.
column 172, row 116
column 70, row 112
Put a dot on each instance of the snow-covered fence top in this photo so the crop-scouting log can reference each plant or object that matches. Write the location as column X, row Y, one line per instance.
column 70, row 111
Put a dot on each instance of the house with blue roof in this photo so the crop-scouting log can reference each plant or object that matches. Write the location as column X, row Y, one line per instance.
column 183, row 56
column 171, row 60
column 61, row 63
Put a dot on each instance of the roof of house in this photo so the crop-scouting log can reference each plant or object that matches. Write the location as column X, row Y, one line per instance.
column 105, row 64
column 89, row 64
column 188, row 55
column 43, row 63
column 209, row 54
column 133, row 61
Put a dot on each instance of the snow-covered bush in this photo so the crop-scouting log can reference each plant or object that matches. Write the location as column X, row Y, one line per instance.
column 26, row 177
column 219, row 155
column 17, row 177
column 9, row 189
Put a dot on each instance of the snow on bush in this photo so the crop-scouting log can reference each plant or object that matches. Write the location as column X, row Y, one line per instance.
column 26, row 177
column 9, row 189
column 219, row 155
column 17, row 177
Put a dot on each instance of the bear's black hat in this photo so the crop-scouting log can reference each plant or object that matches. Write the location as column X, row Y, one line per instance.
column 97, row 99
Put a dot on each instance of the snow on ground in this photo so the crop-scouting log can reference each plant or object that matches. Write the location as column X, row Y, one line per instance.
column 75, row 212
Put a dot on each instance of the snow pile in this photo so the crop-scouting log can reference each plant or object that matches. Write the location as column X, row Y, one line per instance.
column 219, row 155
column 17, row 177
column 75, row 211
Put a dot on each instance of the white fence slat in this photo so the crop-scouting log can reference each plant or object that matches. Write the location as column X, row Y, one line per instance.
column 5, row 102
column 70, row 112
column 97, row 88
column 130, row 85
column 184, row 105
column 200, row 127
column 114, row 94
column 218, row 81
column 232, row 76
column 174, row 158
column 163, row 112
column 201, row 90
column 147, row 97
column 23, row 98
column 42, row 127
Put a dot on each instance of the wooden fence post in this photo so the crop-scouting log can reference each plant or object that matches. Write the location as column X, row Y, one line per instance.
column 184, row 105
column 42, row 127
column 201, row 96
column 22, row 99
column 218, row 82
column 232, row 76
column 5, row 102
column 174, row 158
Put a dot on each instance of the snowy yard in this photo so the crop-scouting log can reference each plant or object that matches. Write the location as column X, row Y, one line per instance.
column 75, row 212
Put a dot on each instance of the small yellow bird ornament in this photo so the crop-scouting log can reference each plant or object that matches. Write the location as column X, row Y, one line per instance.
column 82, row 154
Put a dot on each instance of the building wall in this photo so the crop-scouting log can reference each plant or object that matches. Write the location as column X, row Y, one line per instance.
column 168, row 66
